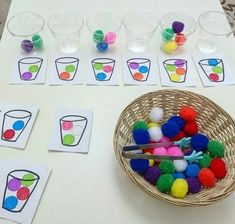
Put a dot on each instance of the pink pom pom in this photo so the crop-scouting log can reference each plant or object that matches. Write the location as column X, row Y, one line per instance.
column 110, row 37
column 174, row 151
column 163, row 140
column 161, row 151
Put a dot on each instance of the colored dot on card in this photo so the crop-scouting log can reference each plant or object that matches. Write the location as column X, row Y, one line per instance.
column 101, row 76
column 18, row 125
column 98, row 66
column 174, row 77
column 170, row 68
column 68, row 139
column 180, row 71
column 64, row 75
column 9, row 134
column 143, row 69
column 14, row 184
column 134, row 65
column 70, row 68
column 138, row 76
column 23, row 193
column 10, row 202
column 27, row 75
column 179, row 63
column 212, row 62
column 214, row 77
column 67, row 125
column 108, row 68
column 217, row 69
column 27, row 179
column 33, row 68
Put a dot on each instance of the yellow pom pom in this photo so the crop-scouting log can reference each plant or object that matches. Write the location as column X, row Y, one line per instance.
column 153, row 124
column 169, row 46
column 179, row 188
column 151, row 161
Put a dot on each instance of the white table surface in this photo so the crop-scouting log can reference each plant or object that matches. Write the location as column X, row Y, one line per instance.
column 92, row 188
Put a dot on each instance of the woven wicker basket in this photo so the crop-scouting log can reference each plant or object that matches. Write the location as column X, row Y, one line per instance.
column 212, row 120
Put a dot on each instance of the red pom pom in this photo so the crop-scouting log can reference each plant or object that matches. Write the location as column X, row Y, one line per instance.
column 218, row 167
column 206, row 177
column 191, row 128
column 179, row 136
column 188, row 113
column 148, row 150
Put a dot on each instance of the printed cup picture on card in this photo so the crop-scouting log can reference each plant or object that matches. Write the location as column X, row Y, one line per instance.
column 213, row 69
column 29, row 68
column 139, row 68
column 103, row 68
column 20, row 185
column 67, row 68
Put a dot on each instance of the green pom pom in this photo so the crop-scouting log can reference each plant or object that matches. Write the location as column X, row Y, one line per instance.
column 215, row 148
column 165, row 182
column 167, row 34
column 166, row 166
column 205, row 161
column 140, row 125
column 98, row 36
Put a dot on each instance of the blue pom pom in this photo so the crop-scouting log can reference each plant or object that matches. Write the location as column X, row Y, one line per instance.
column 141, row 136
column 139, row 165
column 178, row 175
column 170, row 129
column 178, row 120
column 192, row 170
column 199, row 142
column 102, row 47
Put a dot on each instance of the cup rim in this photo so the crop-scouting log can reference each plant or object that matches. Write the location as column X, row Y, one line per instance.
column 218, row 12
column 21, row 13
column 100, row 12
column 144, row 11
column 65, row 12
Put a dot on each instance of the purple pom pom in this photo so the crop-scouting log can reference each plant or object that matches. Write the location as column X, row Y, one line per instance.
column 194, row 186
column 170, row 129
column 139, row 165
column 199, row 142
column 177, row 27
column 27, row 45
column 178, row 120
column 152, row 174
column 188, row 152
column 141, row 136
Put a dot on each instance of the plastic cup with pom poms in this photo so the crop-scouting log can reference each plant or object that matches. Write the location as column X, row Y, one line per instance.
column 104, row 27
column 175, row 29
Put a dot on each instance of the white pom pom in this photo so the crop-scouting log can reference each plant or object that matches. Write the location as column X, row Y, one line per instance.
column 156, row 114
column 180, row 165
column 155, row 134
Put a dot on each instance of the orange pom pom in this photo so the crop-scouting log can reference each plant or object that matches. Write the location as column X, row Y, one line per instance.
column 188, row 113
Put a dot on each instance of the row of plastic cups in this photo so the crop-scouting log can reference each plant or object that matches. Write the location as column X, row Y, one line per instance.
column 140, row 26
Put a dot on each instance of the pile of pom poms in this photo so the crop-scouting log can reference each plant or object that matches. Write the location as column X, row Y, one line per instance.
column 103, row 40
column 173, row 37
column 177, row 177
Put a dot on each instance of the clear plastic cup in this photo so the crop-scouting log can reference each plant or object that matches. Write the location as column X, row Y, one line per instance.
column 14, row 123
column 66, row 28
column 72, row 128
column 214, row 27
column 20, row 185
column 140, row 27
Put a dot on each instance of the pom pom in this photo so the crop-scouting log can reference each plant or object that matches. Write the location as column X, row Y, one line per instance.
column 199, row 142
column 191, row 128
column 188, row 113
column 179, row 188
column 139, row 165
column 194, row 186
column 152, row 174
column 218, row 168
column 178, row 120
column 27, row 46
column 140, row 124
column 169, row 46
column 215, row 148
column 180, row 39
column 151, row 161
column 179, row 136
column 192, row 170
column 206, row 177
column 170, row 129
column 98, row 36
column 167, row 34
column 205, row 161
column 153, row 124
column 141, row 136
column 163, row 140
column 179, row 175
column 166, row 166
column 165, row 182
column 177, row 27
column 174, row 151
column 180, row 165
column 161, row 151
column 155, row 134
column 156, row 114
column 102, row 47
column 150, row 150
column 188, row 152
column 110, row 37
